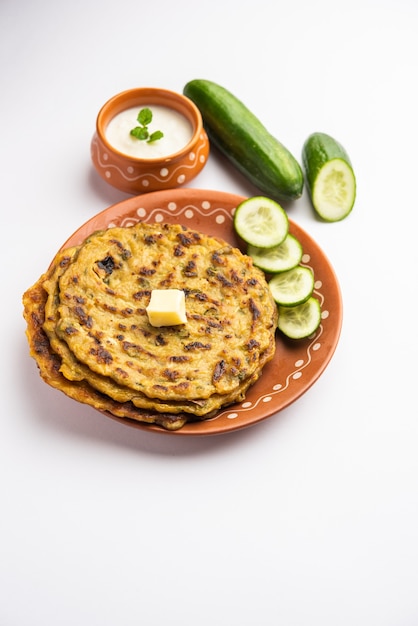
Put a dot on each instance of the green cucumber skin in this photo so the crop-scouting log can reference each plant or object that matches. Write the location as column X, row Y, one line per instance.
column 318, row 149
column 243, row 139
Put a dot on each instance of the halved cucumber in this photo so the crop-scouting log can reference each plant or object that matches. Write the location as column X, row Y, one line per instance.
column 281, row 258
column 330, row 177
column 261, row 222
column 298, row 322
column 292, row 287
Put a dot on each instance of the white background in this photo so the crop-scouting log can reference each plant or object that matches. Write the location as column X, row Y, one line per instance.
column 309, row 518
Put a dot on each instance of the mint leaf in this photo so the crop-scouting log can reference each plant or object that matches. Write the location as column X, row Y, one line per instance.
column 157, row 134
column 145, row 117
column 140, row 133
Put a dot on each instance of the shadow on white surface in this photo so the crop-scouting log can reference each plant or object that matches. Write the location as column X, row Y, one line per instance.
column 106, row 193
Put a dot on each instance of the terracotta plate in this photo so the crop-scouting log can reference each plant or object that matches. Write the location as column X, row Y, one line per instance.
column 297, row 364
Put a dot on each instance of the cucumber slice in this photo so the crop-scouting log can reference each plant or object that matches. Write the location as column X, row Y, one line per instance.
column 293, row 287
column 281, row 258
column 261, row 222
column 298, row 322
column 330, row 178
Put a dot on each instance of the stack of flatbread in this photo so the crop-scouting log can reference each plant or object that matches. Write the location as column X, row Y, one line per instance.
column 89, row 331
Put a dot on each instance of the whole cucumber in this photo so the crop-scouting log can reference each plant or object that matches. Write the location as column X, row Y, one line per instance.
column 240, row 135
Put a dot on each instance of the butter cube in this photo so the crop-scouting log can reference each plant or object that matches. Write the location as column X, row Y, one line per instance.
column 167, row 307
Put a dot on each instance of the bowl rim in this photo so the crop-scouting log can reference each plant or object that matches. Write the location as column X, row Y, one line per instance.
column 149, row 95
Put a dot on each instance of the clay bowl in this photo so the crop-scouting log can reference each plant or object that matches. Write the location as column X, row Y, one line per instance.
column 138, row 174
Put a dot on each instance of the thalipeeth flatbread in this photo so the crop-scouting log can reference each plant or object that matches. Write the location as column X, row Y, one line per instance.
column 98, row 331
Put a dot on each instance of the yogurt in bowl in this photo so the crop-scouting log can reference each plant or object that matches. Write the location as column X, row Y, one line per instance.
column 138, row 165
column 176, row 131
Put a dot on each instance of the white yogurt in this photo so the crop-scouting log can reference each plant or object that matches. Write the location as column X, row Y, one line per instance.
column 176, row 128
